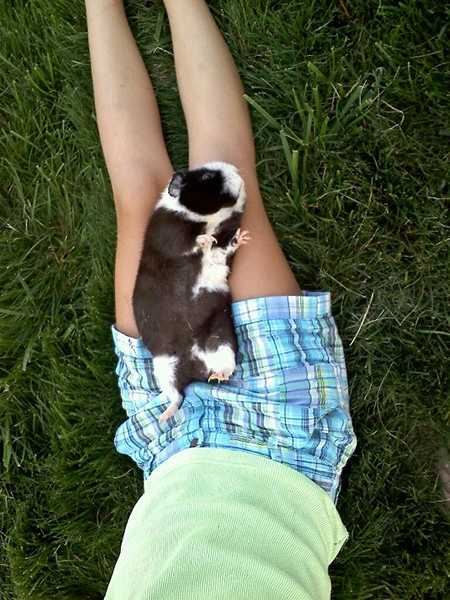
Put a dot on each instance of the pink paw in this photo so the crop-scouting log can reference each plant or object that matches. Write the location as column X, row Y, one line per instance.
column 169, row 412
column 205, row 241
column 219, row 377
column 241, row 238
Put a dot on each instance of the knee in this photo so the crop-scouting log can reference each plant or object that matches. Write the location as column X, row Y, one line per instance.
column 139, row 192
column 242, row 154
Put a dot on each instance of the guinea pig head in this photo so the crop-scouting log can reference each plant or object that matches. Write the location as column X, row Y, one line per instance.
column 208, row 189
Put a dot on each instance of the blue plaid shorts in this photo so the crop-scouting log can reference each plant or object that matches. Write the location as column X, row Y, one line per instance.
column 287, row 399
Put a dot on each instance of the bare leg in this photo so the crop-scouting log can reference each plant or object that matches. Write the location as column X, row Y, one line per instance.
column 219, row 128
column 131, row 137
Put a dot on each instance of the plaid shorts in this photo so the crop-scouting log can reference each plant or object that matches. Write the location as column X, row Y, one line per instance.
column 287, row 399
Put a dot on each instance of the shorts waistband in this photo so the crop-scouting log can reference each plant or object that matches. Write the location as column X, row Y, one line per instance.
column 305, row 305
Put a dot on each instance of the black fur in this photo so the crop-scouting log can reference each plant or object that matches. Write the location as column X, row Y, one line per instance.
column 202, row 190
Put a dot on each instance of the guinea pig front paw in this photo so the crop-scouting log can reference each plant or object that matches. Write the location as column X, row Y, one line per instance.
column 241, row 238
column 205, row 241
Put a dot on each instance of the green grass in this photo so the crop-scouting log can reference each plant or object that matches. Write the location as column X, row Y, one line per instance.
column 351, row 123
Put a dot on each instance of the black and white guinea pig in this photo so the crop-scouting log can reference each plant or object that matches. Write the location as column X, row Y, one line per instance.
column 181, row 299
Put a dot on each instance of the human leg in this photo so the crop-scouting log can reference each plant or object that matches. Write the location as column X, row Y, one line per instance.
column 219, row 128
column 131, row 137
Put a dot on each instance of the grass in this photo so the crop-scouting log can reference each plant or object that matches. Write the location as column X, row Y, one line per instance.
column 351, row 122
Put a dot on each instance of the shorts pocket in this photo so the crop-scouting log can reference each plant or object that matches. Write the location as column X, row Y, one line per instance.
column 275, row 345
column 136, row 382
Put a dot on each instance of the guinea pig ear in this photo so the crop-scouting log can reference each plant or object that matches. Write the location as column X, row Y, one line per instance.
column 176, row 183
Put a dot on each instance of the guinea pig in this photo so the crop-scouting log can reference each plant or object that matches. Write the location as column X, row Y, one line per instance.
column 181, row 298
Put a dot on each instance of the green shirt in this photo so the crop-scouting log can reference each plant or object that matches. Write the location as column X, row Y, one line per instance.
column 224, row 524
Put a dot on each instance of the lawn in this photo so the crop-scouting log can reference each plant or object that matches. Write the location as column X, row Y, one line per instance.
column 351, row 120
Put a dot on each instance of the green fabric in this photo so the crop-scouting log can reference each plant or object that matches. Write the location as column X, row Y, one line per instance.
column 224, row 524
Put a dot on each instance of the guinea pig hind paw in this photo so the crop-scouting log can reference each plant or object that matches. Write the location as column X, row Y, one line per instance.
column 169, row 412
column 219, row 377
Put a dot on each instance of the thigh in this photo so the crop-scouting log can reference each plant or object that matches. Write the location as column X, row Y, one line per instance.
column 259, row 267
column 132, row 218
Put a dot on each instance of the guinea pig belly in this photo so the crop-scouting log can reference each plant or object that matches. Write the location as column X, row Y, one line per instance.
column 213, row 273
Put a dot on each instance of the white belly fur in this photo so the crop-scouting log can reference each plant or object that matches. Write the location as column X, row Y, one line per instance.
column 221, row 360
column 213, row 276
